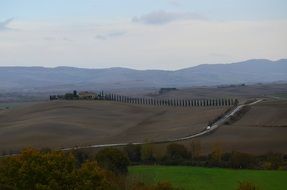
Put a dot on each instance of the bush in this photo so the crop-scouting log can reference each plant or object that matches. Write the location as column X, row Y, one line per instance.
column 243, row 160
column 176, row 152
column 80, row 156
column 274, row 160
column 158, row 186
column 133, row 152
column 147, row 154
column 114, row 160
column 247, row 186
column 195, row 149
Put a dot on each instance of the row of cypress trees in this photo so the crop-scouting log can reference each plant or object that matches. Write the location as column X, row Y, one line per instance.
column 170, row 102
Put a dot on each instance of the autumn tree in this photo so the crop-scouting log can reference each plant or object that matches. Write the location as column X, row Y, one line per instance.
column 195, row 149
column 147, row 154
column 91, row 176
column 242, row 160
column 176, row 152
column 114, row 160
column 52, row 170
column 133, row 152
column 216, row 155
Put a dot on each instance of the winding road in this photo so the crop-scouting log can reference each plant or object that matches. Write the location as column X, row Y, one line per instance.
column 207, row 130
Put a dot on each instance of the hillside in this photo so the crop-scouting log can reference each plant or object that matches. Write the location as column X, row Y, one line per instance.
column 262, row 129
column 40, row 78
column 71, row 123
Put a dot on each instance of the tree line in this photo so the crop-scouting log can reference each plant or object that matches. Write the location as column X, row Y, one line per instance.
column 151, row 101
column 179, row 154
column 107, row 168
column 172, row 102
column 57, row 170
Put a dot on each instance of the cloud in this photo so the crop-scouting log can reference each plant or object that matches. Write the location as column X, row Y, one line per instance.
column 164, row 17
column 101, row 37
column 172, row 46
column 4, row 24
column 54, row 39
column 110, row 35
column 175, row 2
column 116, row 34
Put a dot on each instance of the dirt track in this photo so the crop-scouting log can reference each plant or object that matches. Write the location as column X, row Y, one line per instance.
column 64, row 124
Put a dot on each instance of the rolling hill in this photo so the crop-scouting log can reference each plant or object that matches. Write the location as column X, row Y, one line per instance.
column 40, row 78
column 70, row 123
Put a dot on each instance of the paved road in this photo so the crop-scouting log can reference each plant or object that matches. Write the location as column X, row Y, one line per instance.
column 204, row 132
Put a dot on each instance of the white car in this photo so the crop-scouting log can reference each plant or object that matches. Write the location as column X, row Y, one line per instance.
column 208, row 127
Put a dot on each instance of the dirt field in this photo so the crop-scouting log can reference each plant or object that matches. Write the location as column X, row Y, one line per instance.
column 261, row 130
column 70, row 123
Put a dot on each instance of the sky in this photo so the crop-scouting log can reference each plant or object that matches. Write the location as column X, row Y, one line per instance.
column 140, row 34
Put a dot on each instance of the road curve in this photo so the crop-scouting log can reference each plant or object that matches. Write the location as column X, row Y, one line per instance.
column 211, row 128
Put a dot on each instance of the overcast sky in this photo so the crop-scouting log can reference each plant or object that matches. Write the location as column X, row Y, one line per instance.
column 140, row 34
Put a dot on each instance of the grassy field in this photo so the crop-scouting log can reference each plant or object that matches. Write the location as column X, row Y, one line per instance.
column 195, row 178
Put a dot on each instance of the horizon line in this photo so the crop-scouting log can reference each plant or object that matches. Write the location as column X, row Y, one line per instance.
column 129, row 68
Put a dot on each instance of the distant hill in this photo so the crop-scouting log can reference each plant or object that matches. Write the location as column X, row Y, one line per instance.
column 251, row 71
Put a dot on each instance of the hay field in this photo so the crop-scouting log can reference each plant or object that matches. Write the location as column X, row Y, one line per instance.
column 76, row 123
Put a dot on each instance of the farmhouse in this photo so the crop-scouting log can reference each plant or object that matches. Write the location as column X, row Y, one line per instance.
column 87, row 95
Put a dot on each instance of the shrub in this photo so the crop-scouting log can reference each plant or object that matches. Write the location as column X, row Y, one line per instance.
column 243, row 160
column 158, row 186
column 114, row 160
column 247, row 186
column 80, row 156
column 176, row 152
column 147, row 154
column 133, row 152
column 195, row 149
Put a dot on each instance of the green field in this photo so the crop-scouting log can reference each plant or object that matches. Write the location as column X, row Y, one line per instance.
column 209, row 178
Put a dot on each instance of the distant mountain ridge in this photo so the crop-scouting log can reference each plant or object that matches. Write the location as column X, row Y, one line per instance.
column 251, row 71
